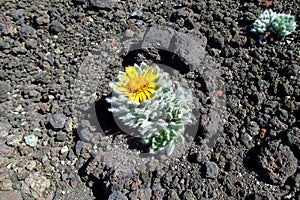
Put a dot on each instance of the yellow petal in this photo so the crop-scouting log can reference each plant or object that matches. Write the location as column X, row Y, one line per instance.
column 137, row 99
column 147, row 94
column 143, row 96
column 121, row 89
column 151, row 90
column 152, row 77
column 128, row 94
column 131, row 71
column 151, row 85
column 131, row 97
column 146, row 73
column 126, row 77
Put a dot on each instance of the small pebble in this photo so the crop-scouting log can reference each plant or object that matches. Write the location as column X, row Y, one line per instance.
column 64, row 149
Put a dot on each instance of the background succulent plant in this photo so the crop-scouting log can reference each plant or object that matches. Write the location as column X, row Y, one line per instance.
column 279, row 23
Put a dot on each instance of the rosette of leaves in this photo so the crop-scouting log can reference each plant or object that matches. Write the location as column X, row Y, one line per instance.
column 283, row 24
column 161, row 119
column 264, row 22
column 279, row 23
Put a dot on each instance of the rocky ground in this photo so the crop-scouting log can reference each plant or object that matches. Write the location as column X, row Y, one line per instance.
column 58, row 57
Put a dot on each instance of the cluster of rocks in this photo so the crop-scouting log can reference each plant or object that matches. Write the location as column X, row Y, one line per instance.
column 58, row 58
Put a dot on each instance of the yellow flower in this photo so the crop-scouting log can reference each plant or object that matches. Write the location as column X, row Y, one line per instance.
column 138, row 85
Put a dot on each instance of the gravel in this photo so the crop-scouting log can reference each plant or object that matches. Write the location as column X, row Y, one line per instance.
column 58, row 58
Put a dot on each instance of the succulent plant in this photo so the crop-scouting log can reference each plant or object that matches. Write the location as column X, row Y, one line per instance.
column 31, row 140
column 283, row 24
column 279, row 23
column 159, row 116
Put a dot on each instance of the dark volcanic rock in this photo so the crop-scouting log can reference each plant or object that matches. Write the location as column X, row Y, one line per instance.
column 104, row 4
column 276, row 162
column 293, row 137
column 212, row 170
column 117, row 195
column 27, row 32
column 61, row 56
column 4, row 129
column 61, row 136
column 188, row 47
column 58, row 120
column 57, row 27
column 144, row 194
column 4, row 88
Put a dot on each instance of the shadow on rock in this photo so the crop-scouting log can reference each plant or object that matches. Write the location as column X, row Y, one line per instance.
column 273, row 162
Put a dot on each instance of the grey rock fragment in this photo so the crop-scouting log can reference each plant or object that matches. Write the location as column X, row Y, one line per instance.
column 7, row 28
column 188, row 47
column 10, row 195
column 117, row 195
column 57, row 27
column 277, row 126
column 4, row 45
column 136, row 13
column 71, row 155
column 173, row 195
column 4, row 88
column 31, row 43
column 43, row 19
column 58, row 121
column 4, row 129
column 263, row 85
column 157, row 38
column 217, row 41
column 276, row 162
column 246, row 139
column 104, row 4
column 188, row 195
column 144, row 194
column 61, row 136
column 122, row 173
column 263, row 119
column 204, row 154
column 293, row 137
column 83, row 149
column 17, row 14
column 158, row 192
column 85, row 135
column 253, row 128
column 152, row 165
column 5, row 151
column 27, row 32
column 120, row 14
column 182, row 12
column 129, row 33
column 14, row 140
column 212, row 170
column 36, row 184
column 210, row 123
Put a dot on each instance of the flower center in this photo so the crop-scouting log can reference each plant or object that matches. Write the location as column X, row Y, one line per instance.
column 137, row 84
